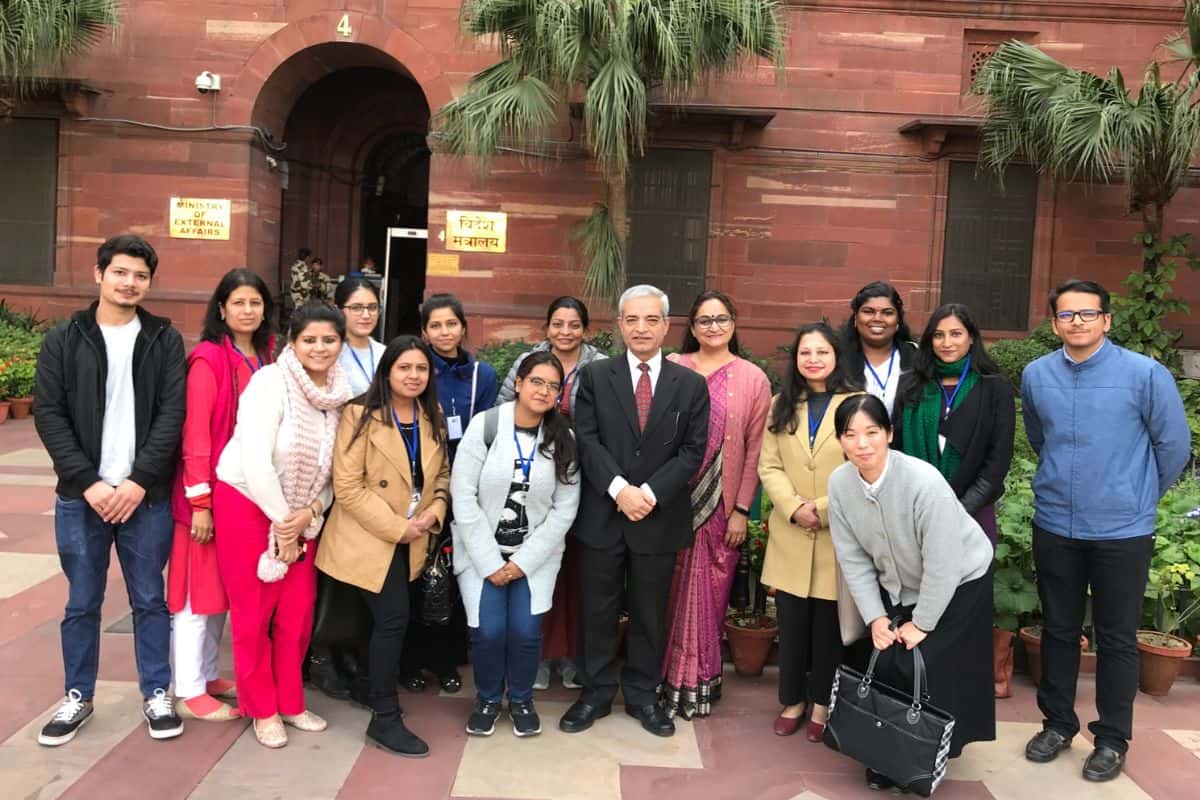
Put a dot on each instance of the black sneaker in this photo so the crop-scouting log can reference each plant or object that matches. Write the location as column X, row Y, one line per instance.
column 483, row 719
column 67, row 720
column 525, row 719
column 387, row 732
column 161, row 719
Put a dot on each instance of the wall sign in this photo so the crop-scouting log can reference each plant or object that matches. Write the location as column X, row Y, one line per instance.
column 441, row 264
column 199, row 218
column 477, row 231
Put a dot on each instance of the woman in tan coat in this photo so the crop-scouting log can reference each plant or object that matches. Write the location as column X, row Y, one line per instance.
column 391, row 478
column 799, row 452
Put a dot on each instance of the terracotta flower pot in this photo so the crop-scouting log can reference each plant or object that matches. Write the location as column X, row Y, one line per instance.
column 1002, row 662
column 750, row 646
column 4, row 407
column 21, row 407
column 1031, row 637
column 1162, row 656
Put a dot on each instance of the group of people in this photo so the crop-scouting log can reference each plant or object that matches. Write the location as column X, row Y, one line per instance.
column 595, row 487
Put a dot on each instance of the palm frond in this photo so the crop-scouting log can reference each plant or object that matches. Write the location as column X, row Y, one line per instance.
column 37, row 37
column 500, row 101
column 601, row 247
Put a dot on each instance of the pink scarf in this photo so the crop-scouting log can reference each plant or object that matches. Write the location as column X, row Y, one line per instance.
column 311, row 424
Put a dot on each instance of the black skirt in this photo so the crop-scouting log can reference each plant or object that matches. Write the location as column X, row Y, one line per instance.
column 958, row 662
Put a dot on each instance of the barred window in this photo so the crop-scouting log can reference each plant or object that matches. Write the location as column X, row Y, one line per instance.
column 29, row 164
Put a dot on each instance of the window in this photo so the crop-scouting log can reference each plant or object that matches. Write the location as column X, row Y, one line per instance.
column 668, row 222
column 29, row 164
column 989, row 244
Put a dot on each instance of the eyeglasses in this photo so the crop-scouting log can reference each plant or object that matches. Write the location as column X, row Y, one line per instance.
column 721, row 321
column 359, row 309
column 1087, row 315
column 539, row 384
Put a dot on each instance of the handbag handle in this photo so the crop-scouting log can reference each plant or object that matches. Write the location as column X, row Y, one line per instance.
column 920, row 681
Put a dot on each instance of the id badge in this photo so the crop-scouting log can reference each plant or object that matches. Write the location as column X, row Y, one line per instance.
column 416, row 501
column 454, row 427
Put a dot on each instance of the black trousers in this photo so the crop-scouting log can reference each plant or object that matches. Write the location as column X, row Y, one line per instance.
column 810, row 644
column 1116, row 570
column 389, row 619
column 605, row 575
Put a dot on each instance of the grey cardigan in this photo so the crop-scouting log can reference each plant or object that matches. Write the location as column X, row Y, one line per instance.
column 587, row 354
column 479, row 484
column 907, row 533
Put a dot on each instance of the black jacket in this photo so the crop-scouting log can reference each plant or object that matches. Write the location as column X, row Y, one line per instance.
column 666, row 454
column 69, row 401
column 981, row 429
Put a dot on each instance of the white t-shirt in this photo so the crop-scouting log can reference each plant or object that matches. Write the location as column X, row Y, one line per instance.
column 887, row 374
column 118, row 440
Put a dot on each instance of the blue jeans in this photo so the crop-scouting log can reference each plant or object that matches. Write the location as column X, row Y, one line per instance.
column 143, row 545
column 506, row 645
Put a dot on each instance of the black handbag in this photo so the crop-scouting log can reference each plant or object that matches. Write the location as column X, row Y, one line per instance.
column 895, row 733
column 340, row 616
column 437, row 585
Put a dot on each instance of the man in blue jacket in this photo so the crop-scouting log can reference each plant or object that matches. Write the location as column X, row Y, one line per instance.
column 1110, row 430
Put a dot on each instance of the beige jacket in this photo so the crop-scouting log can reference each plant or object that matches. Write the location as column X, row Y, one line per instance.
column 372, row 490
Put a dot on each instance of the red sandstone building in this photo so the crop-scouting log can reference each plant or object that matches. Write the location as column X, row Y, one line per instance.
column 789, row 192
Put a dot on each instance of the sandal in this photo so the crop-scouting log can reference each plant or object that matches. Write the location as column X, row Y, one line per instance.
column 451, row 682
column 414, row 682
column 270, row 732
column 305, row 721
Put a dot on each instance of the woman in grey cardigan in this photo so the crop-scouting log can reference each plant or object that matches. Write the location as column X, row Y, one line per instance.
column 919, row 569
column 515, row 492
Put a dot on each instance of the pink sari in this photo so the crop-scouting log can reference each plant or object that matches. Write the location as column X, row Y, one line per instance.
column 703, row 578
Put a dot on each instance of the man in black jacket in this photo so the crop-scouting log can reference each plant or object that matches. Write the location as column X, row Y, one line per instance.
column 642, row 425
column 109, row 407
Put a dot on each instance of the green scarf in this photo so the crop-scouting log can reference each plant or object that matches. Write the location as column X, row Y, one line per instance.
column 921, row 420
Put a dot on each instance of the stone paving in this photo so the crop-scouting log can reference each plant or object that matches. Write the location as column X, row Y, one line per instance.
column 733, row 754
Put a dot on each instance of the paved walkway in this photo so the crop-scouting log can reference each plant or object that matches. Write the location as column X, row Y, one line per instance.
column 733, row 754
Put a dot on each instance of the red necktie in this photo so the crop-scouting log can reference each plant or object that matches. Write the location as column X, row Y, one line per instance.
column 643, row 395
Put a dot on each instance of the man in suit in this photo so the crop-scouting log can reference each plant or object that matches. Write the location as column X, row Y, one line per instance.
column 642, row 426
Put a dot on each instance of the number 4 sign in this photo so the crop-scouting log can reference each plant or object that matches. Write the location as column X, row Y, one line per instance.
column 343, row 27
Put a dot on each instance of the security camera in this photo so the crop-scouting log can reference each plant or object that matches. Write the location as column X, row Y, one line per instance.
column 208, row 82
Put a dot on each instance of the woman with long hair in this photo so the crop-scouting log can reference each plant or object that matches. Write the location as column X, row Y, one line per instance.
column 358, row 299
column 391, row 477
column 799, row 453
column 877, row 342
column 272, row 489
column 235, row 342
column 566, row 326
column 919, row 569
column 722, row 491
column 957, row 412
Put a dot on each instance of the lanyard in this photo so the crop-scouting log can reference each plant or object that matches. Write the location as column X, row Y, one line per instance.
column 815, row 423
column 949, row 398
column 566, row 384
column 891, row 363
column 526, row 463
column 412, row 446
column 250, row 364
column 371, row 355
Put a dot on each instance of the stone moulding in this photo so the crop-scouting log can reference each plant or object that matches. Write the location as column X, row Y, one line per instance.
column 1164, row 12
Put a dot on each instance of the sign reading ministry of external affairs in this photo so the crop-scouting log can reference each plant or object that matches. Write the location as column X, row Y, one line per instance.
column 477, row 231
column 199, row 218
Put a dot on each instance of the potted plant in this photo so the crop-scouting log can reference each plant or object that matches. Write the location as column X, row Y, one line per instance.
column 5, row 405
column 1172, row 590
column 1014, row 587
column 751, row 631
column 19, row 380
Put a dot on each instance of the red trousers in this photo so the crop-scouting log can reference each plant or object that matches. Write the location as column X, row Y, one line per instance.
column 270, row 623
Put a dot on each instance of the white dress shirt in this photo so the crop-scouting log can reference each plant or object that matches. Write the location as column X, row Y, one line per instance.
column 635, row 374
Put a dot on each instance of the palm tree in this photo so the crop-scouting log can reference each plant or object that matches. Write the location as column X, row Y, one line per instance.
column 38, row 36
column 1076, row 125
column 613, row 54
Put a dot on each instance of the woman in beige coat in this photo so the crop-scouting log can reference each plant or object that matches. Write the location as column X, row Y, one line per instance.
column 391, row 478
column 799, row 452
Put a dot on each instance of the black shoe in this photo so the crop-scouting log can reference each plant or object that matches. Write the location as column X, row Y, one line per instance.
column 68, row 718
column 451, row 682
column 525, row 719
column 653, row 719
column 387, row 732
column 580, row 716
column 161, row 719
column 482, row 721
column 323, row 676
column 1045, row 747
column 1103, row 764
column 413, row 682
column 878, row 782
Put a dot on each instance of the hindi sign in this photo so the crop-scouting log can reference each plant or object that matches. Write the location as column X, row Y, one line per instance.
column 199, row 218
column 477, row 231
column 441, row 264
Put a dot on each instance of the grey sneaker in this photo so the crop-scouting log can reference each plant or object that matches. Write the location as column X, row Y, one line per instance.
column 161, row 719
column 68, row 718
column 542, row 680
column 569, row 674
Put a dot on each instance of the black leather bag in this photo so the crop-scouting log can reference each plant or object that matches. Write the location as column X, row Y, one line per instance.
column 437, row 585
column 893, row 732
column 340, row 616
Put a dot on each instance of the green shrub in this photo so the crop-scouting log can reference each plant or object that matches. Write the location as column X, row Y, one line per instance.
column 1013, row 355
column 1014, row 586
column 1044, row 335
column 1174, row 583
column 1189, row 390
column 502, row 355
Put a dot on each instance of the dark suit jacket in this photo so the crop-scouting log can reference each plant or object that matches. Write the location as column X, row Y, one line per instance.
column 666, row 455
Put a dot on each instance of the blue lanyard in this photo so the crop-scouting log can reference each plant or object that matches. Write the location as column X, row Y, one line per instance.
column 412, row 446
column 526, row 463
column 566, row 384
column 891, row 363
column 249, row 363
column 371, row 355
column 949, row 398
column 815, row 423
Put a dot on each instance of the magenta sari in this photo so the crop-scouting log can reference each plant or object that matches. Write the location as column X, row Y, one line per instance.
column 703, row 578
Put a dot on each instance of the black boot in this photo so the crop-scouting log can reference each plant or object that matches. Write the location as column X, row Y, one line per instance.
column 323, row 675
column 387, row 732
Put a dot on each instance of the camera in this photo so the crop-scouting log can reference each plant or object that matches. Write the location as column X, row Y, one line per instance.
column 208, row 82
